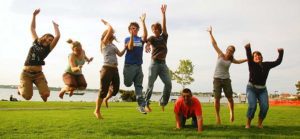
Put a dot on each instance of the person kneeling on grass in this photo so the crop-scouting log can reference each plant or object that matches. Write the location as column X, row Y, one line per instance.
column 186, row 107
column 73, row 77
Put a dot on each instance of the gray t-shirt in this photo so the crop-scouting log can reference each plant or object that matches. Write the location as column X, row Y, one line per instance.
column 109, row 53
column 222, row 68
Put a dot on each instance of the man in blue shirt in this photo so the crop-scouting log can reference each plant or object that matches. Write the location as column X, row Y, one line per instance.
column 133, row 73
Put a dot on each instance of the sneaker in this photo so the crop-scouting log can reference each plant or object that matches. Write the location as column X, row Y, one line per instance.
column 141, row 110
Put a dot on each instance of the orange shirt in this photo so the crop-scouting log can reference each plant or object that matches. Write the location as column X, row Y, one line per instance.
column 188, row 111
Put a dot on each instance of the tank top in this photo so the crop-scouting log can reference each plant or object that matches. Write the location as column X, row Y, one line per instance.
column 77, row 63
column 222, row 68
column 109, row 54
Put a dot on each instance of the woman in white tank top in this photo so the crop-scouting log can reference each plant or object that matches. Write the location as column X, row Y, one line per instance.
column 109, row 74
column 222, row 77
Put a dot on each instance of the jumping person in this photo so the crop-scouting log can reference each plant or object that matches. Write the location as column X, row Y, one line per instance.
column 133, row 72
column 73, row 77
column 256, row 88
column 222, row 77
column 158, row 65
column 109, row 74
column 32, row 70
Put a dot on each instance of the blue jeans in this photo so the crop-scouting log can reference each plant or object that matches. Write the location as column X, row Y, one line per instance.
column 134, row 74
column 161, row 70
column 254, row 94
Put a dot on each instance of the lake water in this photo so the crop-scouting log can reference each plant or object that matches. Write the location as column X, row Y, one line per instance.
column 86, row 97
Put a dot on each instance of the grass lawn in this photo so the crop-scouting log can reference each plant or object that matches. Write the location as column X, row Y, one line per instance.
column 122, row 120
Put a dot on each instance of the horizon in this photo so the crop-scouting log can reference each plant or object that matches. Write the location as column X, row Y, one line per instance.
column 267, row 25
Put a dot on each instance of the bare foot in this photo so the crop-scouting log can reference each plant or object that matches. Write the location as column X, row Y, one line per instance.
column 218, row 122
column 61, row 94
column 105, row 100
column 260, row 126
column 148, row 109
column 231, row 117
column 98, row 115
column 163, row 108
column 247, row 126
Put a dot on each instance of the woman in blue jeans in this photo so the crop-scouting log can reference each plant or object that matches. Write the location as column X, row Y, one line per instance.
column 256, row 88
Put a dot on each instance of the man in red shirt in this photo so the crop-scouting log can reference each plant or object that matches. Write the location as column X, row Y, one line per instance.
column 186, row 107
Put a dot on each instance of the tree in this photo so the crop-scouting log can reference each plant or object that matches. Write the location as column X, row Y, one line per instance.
column 298, row 87
column 183, row 74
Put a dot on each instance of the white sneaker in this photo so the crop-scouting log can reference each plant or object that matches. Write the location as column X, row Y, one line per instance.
column 141, row 110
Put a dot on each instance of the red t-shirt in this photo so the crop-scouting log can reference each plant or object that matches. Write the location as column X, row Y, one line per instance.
column 188, row 111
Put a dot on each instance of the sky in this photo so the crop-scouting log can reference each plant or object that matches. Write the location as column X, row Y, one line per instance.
column 266, row 24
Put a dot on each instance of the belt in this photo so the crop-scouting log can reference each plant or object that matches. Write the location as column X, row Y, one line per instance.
column 257, row 86
column 32, row 72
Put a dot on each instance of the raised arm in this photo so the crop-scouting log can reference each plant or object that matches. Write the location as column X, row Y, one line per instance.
column 109, row 32
column 279, row 58
column 130, row 43
column 33, row 26
column 56, row 37
column 143, row 17
column 163, row 11
column 214, row 43
column 249, row 52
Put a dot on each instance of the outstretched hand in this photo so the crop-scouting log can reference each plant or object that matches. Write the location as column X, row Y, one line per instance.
column 209, row 29
column 36, row 11
column 280, row 49
column 163, row 8
column 247, row 45
column 104, row 22
column 143, row 17
column 55, row 24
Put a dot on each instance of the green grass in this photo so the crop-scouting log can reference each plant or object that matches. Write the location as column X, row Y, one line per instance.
column 122, row 120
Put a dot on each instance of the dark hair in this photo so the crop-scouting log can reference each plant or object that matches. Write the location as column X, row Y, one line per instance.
column 158, row 26
column 186, row 90
column 256, row 52
column 133, row 24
